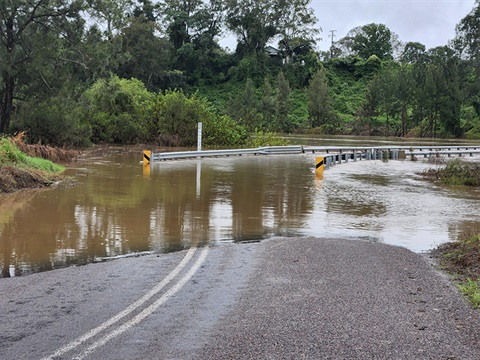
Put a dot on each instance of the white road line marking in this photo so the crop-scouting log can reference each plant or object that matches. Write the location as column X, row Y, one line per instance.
column 147, row 311
column 128, row 310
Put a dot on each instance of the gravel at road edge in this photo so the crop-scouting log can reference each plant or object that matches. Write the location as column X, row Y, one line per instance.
column 341, row 299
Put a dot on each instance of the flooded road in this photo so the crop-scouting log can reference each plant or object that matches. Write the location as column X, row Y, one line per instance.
column 116, row 209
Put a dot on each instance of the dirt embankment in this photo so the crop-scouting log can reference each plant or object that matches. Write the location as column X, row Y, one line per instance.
column 13, row 179
column 461, row 258
column 15, row 176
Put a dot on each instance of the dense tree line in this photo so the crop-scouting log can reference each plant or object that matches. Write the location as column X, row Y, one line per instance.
column 73, row 72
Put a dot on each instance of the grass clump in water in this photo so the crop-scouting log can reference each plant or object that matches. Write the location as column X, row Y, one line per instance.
column 462, row 259
column 456, row 172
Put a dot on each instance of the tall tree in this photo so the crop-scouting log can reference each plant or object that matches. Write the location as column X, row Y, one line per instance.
column 320, row 108
column 296, row 25
column 110, row 14
column 467, row 43
column 193, row 27
column 267, row 106
column 445, row 61
column 244, row 107
column 386, row 87
column 404, row 92
column 254, row 22
column 283, row 103
column 150, row 57
column 31, row 34
column 468, row 33
column 180, row 16
column 369, row 110
column 187, row 21
column 370, row 39
column 412, row 53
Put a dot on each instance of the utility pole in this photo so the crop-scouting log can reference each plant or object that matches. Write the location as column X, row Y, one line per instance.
column 332, row 35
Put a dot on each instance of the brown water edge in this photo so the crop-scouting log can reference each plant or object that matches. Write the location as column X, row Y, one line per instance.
column 36, row 228
column 117, row 210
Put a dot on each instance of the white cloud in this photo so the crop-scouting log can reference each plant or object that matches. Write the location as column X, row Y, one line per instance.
column 431, row 23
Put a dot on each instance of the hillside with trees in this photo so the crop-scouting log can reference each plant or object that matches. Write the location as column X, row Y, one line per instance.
column 77, row 72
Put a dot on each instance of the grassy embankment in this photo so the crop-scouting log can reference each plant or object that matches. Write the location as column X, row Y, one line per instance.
column 461, row 258
column 21, row 171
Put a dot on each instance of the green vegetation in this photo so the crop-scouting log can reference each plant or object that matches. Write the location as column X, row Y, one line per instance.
column 471, row 289
column 18, row 170
column 10, row 155
column 462, row 259
column 269, row 138
column 456, row 172
column 77, row 72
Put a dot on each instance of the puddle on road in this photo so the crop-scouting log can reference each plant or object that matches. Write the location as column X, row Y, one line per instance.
column 116, row 209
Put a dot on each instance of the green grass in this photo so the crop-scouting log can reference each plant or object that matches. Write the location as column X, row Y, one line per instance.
column 462, row 259
column 261, row 138
column 456, row 172
column 10, row 155
column 471, row 289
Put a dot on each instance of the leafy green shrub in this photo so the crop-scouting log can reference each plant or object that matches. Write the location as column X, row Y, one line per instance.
column 224, row 131
column 173, row 119
column 116, row 110
column 368, row 67
column 261, row 138
column 175, row 114
column 252, row 66
column 55, row 121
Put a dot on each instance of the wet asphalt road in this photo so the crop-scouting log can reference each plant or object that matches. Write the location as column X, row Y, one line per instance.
column 278, row 299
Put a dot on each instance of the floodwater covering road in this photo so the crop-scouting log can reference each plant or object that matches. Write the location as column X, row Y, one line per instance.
column 207, row 290
column 283, row 298
column 115, row 209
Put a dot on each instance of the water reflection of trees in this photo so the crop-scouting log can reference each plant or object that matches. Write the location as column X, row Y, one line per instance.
column 114, row 210
column 270, row 195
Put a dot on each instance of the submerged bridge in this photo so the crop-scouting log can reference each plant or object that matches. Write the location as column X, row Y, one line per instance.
column 331, row 154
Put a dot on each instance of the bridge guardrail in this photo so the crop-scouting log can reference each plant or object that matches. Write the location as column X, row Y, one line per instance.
column 266, row 150
column 335, row 153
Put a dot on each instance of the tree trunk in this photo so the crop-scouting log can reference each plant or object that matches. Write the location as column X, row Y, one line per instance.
column 7, row 78
column 387, row 126
column 404, row 118
column 7, row 106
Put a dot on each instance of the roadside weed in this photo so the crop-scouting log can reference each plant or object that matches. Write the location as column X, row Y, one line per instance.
column 471, row 289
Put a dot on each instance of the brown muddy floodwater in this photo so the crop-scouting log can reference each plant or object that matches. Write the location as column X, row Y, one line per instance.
column 116, row 209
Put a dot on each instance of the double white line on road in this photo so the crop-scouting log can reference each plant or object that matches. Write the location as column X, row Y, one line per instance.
column 137, row 304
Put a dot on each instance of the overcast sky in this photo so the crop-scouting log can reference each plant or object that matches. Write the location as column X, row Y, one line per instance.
column 430, row 22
